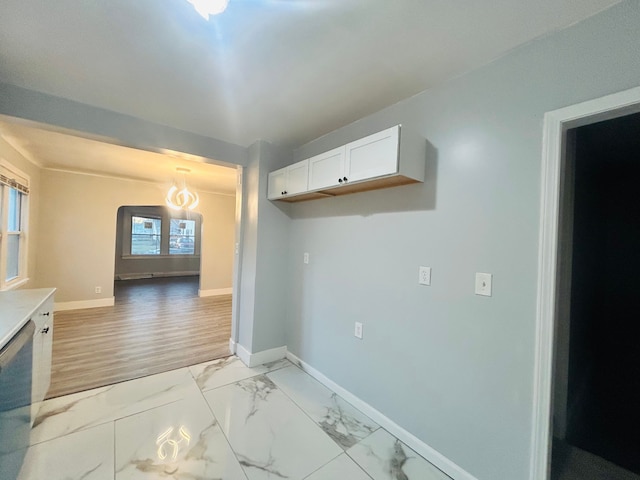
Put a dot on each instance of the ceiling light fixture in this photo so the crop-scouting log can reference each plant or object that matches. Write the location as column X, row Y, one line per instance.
column 209, row 7
column 182, row 199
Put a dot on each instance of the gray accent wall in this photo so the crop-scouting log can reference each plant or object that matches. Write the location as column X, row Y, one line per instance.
column 453, row 368
column 266, row 246
column 164, row 264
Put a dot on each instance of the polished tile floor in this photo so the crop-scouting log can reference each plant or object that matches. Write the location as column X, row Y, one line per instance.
column 217, row 420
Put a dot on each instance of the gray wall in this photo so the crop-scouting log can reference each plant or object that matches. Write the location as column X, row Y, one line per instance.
column 454, row 369
column 164, row 264
column 263, row 288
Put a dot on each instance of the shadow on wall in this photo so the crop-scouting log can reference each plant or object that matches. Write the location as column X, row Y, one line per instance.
column 415, row 197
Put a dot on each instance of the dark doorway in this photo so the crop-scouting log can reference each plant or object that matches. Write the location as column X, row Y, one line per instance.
column 603, row 385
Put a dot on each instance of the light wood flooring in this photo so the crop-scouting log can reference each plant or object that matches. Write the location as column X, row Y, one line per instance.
column 156, row 325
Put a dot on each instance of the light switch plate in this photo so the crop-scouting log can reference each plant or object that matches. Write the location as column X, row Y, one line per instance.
column 358, row 330
column 306, row 257
column 424, row 275
column 483, row 284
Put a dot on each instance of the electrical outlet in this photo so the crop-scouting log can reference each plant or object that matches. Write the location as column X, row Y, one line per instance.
column 424, row 275
column 358, row 330
column 98, row 289
column 483, row 284
column 306, row 257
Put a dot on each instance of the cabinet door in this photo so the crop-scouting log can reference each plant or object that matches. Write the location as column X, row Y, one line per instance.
column 36, row 388
column 297, row 177
column 373, row 156
column 277, row 183
column 47, row 356
column 42, row 355
column 326, row 169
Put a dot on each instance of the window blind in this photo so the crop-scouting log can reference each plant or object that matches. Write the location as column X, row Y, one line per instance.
column 13, row 179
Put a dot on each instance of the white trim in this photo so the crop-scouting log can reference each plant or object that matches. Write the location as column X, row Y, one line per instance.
column 128, row 179
column 429, row 453
column 22, row 234
column 237, row 257
column 243, row 354
column 79, row 304
column 232, row 346
column 11, row 171
column 555, row 125
column 143, row 275
column 259, row 358
column 14, row 284
column 215, row 292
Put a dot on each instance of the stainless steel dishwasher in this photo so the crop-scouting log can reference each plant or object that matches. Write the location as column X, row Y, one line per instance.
column 16, row 361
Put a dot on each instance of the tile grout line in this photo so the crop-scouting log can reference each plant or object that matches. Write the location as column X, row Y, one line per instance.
column 344, row 451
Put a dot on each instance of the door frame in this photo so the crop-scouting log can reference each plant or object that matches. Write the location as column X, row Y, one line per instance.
column 237, row 259
column 556, row 124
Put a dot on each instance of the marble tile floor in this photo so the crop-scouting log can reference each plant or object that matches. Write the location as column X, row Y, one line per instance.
column 215, row 421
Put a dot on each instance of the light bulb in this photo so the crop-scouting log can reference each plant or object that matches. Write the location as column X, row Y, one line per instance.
column 209, row 7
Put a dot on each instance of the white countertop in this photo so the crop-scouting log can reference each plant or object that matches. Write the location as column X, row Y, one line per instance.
column 17, row 307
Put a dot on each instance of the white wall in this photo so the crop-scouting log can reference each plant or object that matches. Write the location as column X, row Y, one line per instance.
column 454, row 369
column 79, row 215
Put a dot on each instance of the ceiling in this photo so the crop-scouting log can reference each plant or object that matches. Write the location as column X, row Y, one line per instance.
column 62, row 151
column 285, row 71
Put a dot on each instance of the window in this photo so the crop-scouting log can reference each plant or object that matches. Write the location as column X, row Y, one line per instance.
column 182, row 237
column 154, row 231
column 13, row 206
column 146, row 235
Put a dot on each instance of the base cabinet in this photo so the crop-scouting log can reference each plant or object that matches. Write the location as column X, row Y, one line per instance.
column 42, row 355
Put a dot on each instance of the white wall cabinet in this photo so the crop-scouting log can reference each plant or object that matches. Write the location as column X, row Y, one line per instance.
column 385, row 159
column 372, row 156
column 327, row 169
column 42, row 355
column 289, row 180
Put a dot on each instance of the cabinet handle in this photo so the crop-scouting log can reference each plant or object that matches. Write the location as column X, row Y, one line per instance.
column 45, row 314
column 284, row 193
column 344, row 178
column 339, row 180
column 45, row 329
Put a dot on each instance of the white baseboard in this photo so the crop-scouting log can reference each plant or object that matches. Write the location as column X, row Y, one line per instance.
column 433, row 456
column 215, row 292
column 259, row 358
column 79, row 304
column 145, row 275
column 243, row 354
column 232, row 346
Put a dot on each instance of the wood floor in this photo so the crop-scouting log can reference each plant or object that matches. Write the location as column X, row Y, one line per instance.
column 156, row 325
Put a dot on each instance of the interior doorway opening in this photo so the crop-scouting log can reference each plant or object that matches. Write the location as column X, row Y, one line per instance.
column 163, row 318
column 555, row 274
column 597, row 363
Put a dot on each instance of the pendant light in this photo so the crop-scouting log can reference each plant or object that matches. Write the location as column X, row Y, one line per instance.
column 182, row 198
